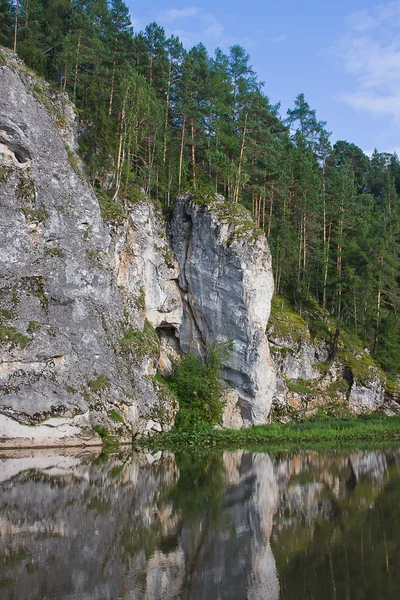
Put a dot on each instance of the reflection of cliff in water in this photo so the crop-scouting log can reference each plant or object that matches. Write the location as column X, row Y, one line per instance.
column 237, row 526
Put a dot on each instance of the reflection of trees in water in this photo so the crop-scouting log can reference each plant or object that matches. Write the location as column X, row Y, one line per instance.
column 346, row 549
column 199, row 526
column 198, row 490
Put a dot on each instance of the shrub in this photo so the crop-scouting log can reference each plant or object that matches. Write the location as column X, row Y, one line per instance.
column 197, row 384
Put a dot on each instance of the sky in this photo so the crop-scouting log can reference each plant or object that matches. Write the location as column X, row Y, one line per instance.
column 343, row 55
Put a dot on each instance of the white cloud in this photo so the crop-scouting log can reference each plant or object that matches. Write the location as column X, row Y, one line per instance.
column 392, row 150
column 176, row 14
column 370, row 52
column 278, row 39
column 193, row 25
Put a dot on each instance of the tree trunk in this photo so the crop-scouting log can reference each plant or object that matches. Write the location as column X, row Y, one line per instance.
column 193, row 156
column 118, row 166
column 76, row 65
column 16, row 24
column 239, row 172
column 112, row 86
column 378, row 307
column 166, row 112
column 181, row 155
column 339, row 259
column 271, row 206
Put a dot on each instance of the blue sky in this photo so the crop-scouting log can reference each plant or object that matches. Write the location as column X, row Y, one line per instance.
column 344, row 55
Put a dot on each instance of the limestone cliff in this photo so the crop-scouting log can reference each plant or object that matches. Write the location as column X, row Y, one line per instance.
column 227, row 286
column 309, row 378
column 68, row 358
column 91, row 311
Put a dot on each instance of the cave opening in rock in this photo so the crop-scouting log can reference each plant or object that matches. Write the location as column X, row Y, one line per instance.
column 168, row 336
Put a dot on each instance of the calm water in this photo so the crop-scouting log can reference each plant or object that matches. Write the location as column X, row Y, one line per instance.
column 234, row 526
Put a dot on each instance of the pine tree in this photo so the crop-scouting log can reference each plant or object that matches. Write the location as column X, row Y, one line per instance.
column 6, row 24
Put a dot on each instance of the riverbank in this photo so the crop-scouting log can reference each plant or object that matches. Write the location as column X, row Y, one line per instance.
column 327, row 433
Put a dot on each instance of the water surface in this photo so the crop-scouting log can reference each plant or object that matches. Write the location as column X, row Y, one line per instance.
column 293, row 525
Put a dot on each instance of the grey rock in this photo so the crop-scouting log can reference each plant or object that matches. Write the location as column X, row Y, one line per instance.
column 72, row 287
column 227, row 286
column 367, row 396
column 59, row 293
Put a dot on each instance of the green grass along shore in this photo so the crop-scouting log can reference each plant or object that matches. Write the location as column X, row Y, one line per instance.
column 360, row 430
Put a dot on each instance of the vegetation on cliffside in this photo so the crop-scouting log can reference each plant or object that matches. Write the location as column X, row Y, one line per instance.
column 158, row 117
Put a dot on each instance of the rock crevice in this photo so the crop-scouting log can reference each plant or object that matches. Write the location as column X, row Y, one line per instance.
column 227, row 285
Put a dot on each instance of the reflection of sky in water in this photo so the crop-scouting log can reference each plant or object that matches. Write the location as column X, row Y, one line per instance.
column 233, row 526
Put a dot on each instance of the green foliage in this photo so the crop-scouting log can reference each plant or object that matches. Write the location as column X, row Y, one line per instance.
column 285, row 322
column 197, row 384
column 162, row 121
column 4, row 171
column 37, row 215
column 329, row 432
column 34, row 285
column 33, row 326
column 53, row 251
column 10, row 337
column 141, row 343
column 300, row 386
column 73, row 160
column 111, row 211
column 110, row 442
column 335, row 410
column 100, row 383
column 116, row 416
column 7, row 313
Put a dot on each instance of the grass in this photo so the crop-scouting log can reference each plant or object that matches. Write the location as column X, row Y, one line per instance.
column 312, row 433
column 111, row 212
column 12, row 338
column 141, row 343
column 101, row 382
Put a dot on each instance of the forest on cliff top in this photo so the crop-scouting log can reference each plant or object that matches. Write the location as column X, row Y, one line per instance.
column 158, row 118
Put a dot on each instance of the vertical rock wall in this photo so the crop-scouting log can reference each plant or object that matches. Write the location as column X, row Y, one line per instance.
column 65, row 364
column 227, row 285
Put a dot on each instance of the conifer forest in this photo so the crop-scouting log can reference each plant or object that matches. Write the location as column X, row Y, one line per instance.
column 159, row 119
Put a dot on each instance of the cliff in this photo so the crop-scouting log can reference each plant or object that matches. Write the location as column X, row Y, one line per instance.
column 227, row 285
column 91, row 311
column 310, row 379
column 68, row 362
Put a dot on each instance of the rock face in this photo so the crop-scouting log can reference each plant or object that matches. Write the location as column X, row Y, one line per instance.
column 307, row 379
column 90, row 312
column 227, row 285
column 62, row 314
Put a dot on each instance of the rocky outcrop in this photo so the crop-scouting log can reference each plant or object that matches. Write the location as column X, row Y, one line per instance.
column 63, row 319
column 147, row 273
column 226, row 283
column 90, row 312
column 307, row 378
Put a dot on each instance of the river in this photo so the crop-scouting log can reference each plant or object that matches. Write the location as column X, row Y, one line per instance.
column 79, row 525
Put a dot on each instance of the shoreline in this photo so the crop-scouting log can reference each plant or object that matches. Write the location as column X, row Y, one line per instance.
column 333, row 433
